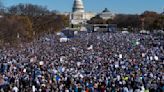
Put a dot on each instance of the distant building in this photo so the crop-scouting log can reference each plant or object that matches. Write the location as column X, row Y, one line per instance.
column 78, row 14
column 106, row 14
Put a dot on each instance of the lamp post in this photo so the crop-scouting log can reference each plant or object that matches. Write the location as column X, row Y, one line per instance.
column 142, row 22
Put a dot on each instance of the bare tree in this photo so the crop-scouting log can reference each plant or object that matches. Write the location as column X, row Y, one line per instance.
column 2, row 8
column 28, row 10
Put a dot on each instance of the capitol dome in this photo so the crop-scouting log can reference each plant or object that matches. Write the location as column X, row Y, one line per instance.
column 106, row 14
column 78, row 6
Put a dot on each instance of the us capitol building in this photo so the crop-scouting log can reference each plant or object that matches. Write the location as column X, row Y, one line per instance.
column 79, row 16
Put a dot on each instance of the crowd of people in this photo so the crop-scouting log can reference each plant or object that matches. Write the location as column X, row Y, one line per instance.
column 89, row 62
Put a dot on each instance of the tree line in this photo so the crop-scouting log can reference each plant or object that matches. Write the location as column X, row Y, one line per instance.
column 148, row 20
column 23, row 22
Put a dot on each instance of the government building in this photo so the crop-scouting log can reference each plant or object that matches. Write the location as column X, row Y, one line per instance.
column 80, row 16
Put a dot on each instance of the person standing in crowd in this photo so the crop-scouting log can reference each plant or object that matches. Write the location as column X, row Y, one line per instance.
column 90, row 62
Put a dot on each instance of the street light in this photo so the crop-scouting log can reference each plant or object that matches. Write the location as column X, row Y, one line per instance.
column 142, row 21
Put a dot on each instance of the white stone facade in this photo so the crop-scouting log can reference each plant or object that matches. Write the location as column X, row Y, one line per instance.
column 106, row 14
column 80, row 18
column 78, row 15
